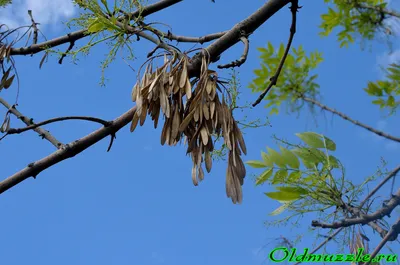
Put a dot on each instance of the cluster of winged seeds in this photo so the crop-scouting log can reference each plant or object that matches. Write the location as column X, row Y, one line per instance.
column 200, row 117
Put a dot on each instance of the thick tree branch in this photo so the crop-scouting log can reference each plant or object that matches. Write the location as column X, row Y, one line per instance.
column 178, row 38
column 76, row 35
column 364, row 218
column 393, row 233
column 230, row 38
column 67, row 151
column 344, row 116
column 28, row 121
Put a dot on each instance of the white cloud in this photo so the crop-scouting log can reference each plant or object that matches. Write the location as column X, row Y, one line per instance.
column 394, row 24
column 45, row 12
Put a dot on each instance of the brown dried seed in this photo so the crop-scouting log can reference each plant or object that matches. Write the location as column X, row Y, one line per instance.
column 194, row 177
column 201, row 173
column 188, row 89
column 204, row 135
column 184, row 75
column 208, row 160
column 135, row 121
column 206, row 111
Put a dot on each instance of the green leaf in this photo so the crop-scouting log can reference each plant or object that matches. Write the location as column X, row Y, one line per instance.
column 284, row 196
column 266, row 159
column 280, row 209
column 390, row 101
column 264, row 176
column 294, row 176
column 276, row 158
column 256, row 164
column 316, row 140
column 307, row 155
column 96, row 27
column 280, row 176
column 293, row 190
column 311, row 139
column 290, row 158
column 334, row 162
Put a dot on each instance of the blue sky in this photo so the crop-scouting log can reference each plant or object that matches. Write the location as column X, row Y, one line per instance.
column 137, row 204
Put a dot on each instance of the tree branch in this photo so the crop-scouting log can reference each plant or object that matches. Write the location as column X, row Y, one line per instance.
column 242, row 58
column 67, row 151
column 363, row 218
column 36, row 125
column 344, row 116
column 273, row 80
column 28, row 121
column 393, row 233
column 230, row 38
column 379, row 9
column 324, row 242
column 392, row 174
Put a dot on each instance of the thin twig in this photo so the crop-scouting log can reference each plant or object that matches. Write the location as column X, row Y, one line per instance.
column 274, row 79
column 392, row 174
column 324, row 242
column 379, row 9
column 242, row 58
column 42, row 133
column 34, row 26
column 71, row 45
column 344, row 116
column 34, row 126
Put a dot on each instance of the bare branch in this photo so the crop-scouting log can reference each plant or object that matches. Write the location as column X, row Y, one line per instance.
column 67, row 151
column 36, row 125
column 71, row 45
column 43, row 133
column 34, row 26
column 392, row 174
column 364, row 218
column 324, row 242
column 273, row 80
column 230, row 38
column 344, row 116
column 242, row 58
column 393, row 233
column 201, row 40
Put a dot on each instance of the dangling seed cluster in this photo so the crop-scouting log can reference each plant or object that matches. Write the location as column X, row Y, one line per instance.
column 202, row 116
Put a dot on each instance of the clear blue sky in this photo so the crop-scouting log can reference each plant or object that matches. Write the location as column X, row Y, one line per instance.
column 137, row 204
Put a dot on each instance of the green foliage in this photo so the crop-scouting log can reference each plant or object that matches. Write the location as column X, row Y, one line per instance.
column 104, row 24
column 387, row 91
column 356, row 18
column 303, row 174
column 4, row 3
column 294, row 80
